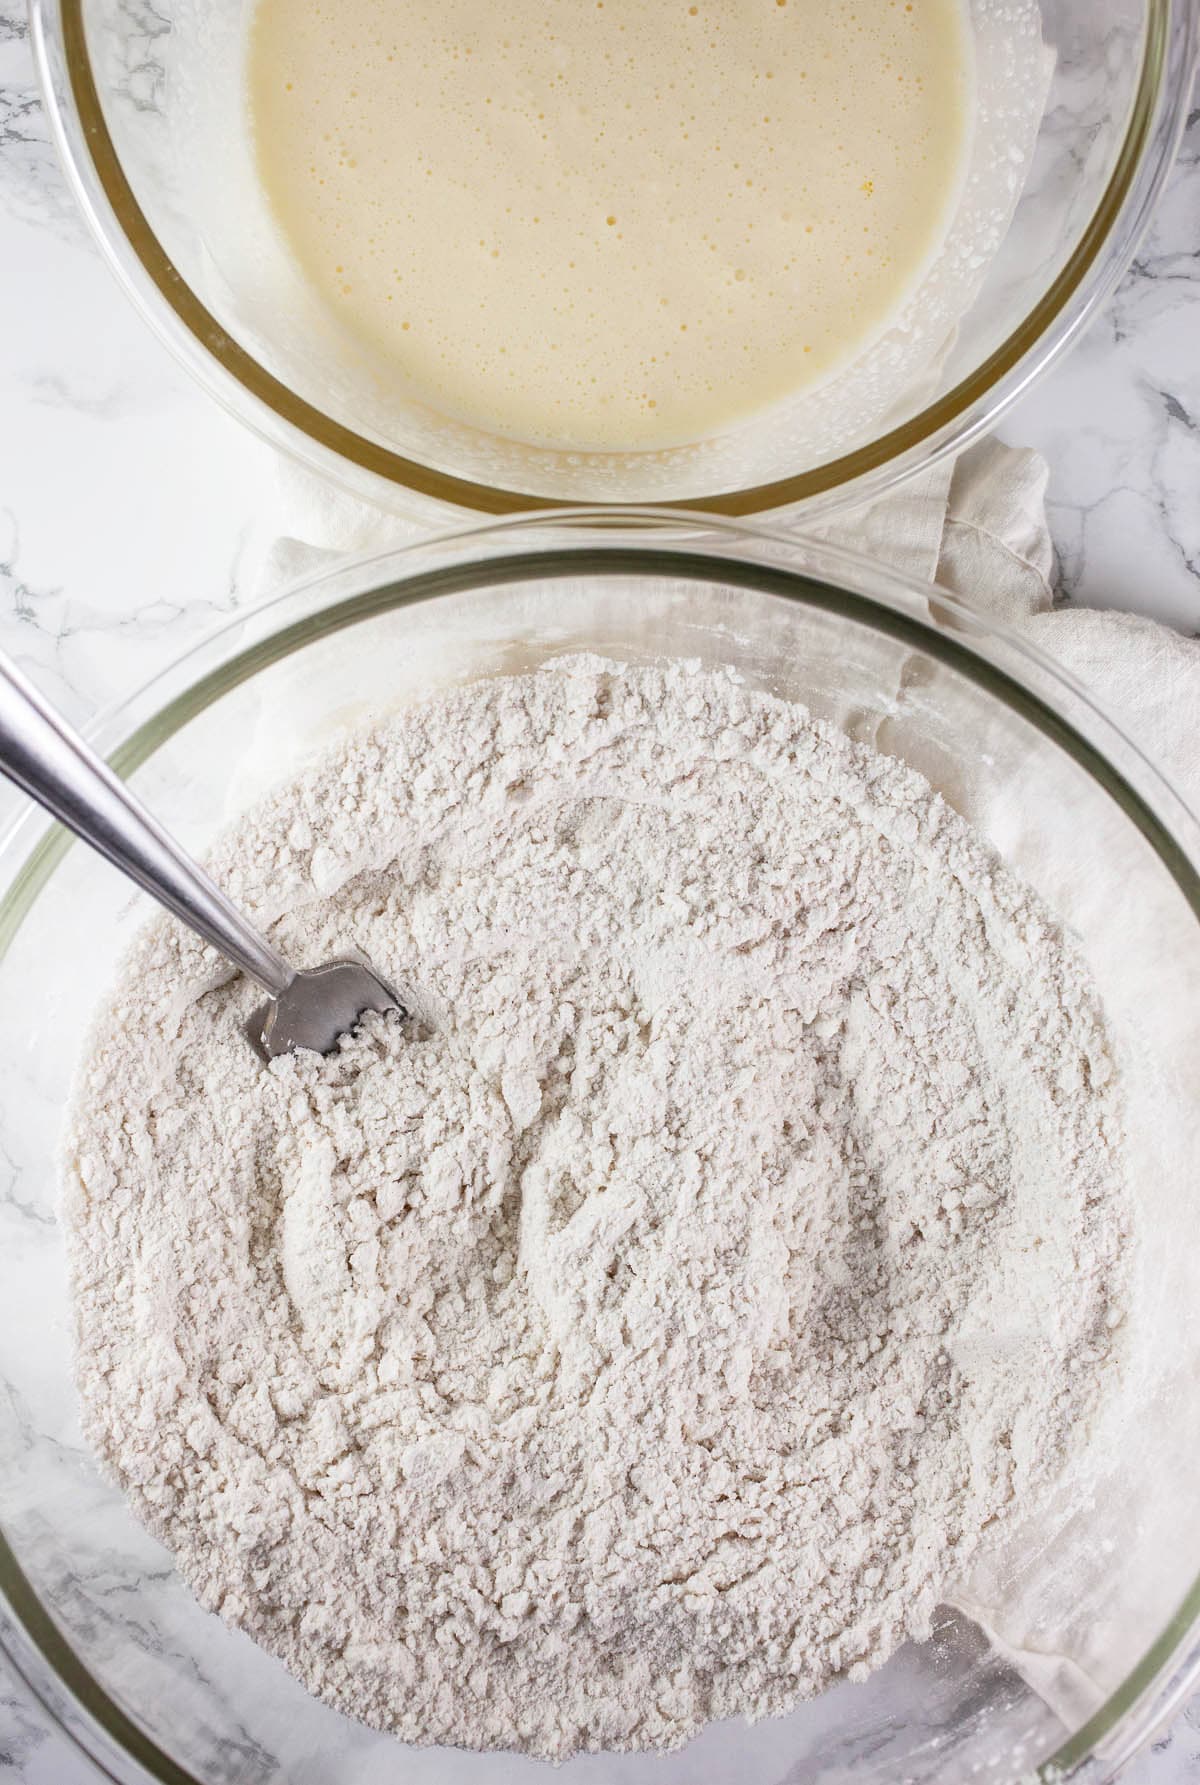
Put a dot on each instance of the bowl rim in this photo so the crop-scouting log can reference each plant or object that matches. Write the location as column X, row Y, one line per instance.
column 1158, row 114
column 599, row 541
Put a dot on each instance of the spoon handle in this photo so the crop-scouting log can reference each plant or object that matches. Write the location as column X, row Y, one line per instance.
column 50, row 762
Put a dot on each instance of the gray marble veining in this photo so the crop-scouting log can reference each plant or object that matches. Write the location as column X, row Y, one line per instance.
column 134, row 516
column 1119, row 422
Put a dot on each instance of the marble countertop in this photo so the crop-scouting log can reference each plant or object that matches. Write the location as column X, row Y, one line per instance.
column 132, row 515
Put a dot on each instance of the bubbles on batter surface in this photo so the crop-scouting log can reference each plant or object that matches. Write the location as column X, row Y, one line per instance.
column 611, row 226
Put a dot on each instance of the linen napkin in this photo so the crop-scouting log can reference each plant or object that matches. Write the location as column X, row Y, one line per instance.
column 1076, row 1629
column 978, row 528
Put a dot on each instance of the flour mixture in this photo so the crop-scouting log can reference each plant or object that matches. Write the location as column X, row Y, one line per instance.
column 648, row 1330
column 611, row 224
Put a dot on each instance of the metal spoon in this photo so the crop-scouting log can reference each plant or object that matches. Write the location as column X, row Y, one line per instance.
column 50, row 762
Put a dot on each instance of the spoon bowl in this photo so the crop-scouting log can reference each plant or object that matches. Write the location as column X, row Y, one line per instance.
column 319, row 1006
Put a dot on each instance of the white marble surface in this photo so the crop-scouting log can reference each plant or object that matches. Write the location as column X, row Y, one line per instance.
column 132, row 515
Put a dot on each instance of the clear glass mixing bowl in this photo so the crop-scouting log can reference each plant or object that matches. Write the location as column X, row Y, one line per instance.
column 1073, row 138
column 91, row 1611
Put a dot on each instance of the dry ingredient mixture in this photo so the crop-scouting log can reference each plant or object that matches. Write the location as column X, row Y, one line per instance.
column 646, row 1331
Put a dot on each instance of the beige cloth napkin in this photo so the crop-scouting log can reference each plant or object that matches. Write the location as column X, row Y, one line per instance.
column 978, row 527
column 1077, row 1629
column 973, row 524
column 980, row 531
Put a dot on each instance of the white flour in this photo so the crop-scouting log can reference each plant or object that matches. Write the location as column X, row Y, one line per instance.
column 647, row 1331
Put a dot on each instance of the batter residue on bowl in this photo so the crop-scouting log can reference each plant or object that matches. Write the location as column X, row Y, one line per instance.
column 650, row 1329
column 611, row 224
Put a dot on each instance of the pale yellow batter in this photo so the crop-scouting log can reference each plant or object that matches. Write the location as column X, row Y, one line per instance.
column 611, row 224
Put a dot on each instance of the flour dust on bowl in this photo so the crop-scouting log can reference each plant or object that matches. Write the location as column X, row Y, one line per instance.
column 555, row 1011
column 764, row 257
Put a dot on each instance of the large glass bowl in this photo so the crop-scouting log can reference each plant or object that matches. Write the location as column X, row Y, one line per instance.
column 92, row 1613
column 1073, row 137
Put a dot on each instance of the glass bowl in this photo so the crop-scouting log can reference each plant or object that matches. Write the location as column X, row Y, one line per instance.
column 1073, row 138
column 92, row 1613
